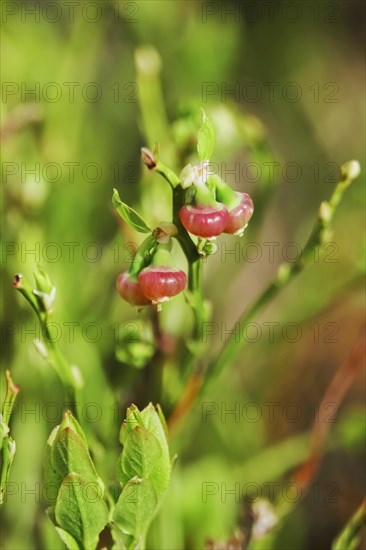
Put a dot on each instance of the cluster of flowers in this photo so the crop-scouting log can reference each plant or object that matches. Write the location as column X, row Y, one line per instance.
column 211, row 208
column 157, row 282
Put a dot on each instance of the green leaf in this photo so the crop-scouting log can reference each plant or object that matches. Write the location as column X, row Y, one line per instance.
column 52, row 477
column 350, row 537
column 80, row 511
column 206, row 138
column 141, row 454
column 146, row 450
column 145, row 469
column 70, row 455
column 133, row 419
column 67, row 452
column 135, row 509
column 129, row 215
column 153, row 423
column 69, row 421
column 67, row 539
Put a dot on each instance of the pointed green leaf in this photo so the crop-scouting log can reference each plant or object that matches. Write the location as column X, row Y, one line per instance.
column 153, row 423
column 133, row 419
column 145, row 469
column 81, row 511
column 129, row 215
column 70, row 455
column 69, row 421
column 206, row 138
column 146, row 450
column 141, row 453
column 135, row 509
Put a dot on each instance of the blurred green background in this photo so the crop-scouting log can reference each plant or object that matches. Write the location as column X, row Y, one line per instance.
column 83, row 88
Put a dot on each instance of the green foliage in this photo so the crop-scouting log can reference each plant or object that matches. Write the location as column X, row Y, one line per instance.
column 128, row 214
column 135, row 510
column 79, row 510
column 79, row 513
column 261, row 140
column 144, row 470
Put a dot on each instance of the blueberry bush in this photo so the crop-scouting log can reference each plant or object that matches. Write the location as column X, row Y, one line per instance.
column 183, row 277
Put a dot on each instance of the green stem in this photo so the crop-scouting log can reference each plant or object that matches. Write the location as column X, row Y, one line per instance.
column 188, row 246
column 194, row 259
column 53, row 355
column 168, row 174
column 63, row 369
column 195, row 269
column 195, row 272
column 156, row 366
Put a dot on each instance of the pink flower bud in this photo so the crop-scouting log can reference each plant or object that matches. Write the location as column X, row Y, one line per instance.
column 160, row 283
column 239, row 216
column 204, row 221
column 130, row 290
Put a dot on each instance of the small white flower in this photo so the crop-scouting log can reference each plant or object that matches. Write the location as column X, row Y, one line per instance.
column 195, row 175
